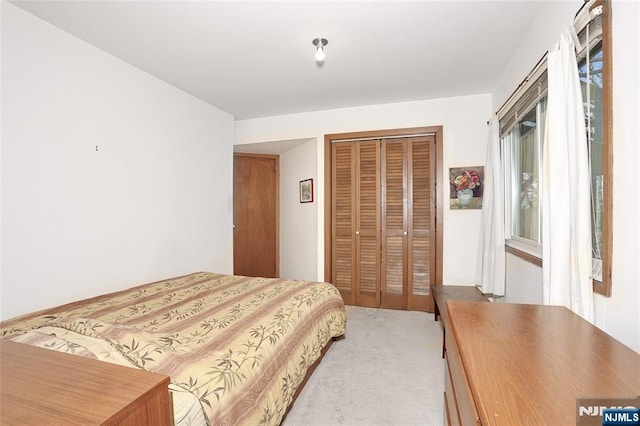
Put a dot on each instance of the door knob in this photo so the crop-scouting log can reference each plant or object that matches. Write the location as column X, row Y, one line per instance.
column 405, row 232
column 357, row 232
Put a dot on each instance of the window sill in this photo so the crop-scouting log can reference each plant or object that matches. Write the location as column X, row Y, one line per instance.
column 528, row 252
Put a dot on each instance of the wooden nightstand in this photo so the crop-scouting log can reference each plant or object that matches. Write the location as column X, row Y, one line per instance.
column 40, row 386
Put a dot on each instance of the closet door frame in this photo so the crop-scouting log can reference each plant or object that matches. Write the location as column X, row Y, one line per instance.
column 438, row 189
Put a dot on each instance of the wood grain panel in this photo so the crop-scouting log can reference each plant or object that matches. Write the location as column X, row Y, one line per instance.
column 450, row 404
column 394, row 222
column 368, row 292
column 421, row 183
column 467, row 411
column 394, row 184
column 528, row 364
column 368, row 263
column 343, row 220
column 420, row 265
column 343, row 263
column 256, row 200
column 41, row 386
column 368, row 181
column 343, row 193
column 368, row 223
column 394, row 265
column 421, row 223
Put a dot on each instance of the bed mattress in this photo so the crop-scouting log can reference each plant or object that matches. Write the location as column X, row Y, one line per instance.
column 236, row 348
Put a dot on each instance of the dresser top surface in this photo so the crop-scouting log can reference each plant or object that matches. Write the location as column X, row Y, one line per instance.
column 38, row 383
column 528, row 364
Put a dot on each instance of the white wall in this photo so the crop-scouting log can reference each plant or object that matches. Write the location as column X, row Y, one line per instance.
column 544, row 32
column 621, row 312
column 464, row 133
column 523, row 281
column 153, row 200
column 617, row 315
column 298, row 221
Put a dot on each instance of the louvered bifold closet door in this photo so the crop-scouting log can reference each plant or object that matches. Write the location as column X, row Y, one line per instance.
column 421, row 222
column 383, row 217
column 343, row 223
column 394, row 225
column 367, row 234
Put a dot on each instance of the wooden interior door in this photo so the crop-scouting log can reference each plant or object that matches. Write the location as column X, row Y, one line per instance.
column 255, row 215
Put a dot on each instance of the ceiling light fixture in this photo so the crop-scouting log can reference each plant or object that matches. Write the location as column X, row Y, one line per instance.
column 320, row 43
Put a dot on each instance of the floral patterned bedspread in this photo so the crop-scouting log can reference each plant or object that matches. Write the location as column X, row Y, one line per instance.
column 240, row 345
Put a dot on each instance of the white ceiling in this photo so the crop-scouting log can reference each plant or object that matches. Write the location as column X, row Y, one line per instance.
column 255, row 59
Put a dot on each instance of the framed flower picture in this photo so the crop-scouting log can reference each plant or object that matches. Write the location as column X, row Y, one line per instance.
column 466, row 186
column 306, row 191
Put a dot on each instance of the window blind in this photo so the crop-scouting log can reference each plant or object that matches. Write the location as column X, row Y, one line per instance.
column 531, row 95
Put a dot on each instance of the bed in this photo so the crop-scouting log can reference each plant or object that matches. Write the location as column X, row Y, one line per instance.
column 236, row 348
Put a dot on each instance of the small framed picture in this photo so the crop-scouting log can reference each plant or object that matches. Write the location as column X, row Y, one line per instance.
column 466, row 187
column 306, row 191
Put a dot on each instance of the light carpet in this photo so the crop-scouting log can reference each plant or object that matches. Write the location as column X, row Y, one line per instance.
column 388, row 370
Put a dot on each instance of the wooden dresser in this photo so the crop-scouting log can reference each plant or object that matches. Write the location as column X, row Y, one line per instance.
column 511, row 364
column 40, row 386
column 442, row 293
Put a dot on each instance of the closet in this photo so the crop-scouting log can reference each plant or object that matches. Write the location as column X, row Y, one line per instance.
column 383, row 220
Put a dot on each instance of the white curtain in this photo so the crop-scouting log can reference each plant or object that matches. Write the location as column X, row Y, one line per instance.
column 566, row 231
column 491, row 273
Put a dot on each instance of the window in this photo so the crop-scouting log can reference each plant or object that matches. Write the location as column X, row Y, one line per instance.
column 522, row 133
column 522, row 121
column 591, row 80
column 594, row 64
